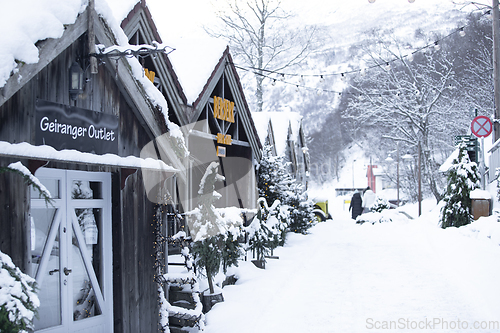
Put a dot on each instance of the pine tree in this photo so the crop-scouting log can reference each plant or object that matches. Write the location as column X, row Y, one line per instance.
column 213, row 243
column 301, row 210
column 379, row 205
column 463, row 177
column 205, row 231
column 273, row 179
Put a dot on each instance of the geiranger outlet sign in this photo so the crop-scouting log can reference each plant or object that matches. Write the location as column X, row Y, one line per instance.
column 68, row 127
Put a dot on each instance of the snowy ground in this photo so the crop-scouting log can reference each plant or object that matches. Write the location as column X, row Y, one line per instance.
column 408, row 275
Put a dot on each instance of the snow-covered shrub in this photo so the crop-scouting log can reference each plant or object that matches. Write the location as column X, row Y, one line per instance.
column 301, row 210
column 214, row 230
column 273, row 178
column 268, row 229
column 463, row 177
column 18, row 299
column 373, row 217
column 379, row 205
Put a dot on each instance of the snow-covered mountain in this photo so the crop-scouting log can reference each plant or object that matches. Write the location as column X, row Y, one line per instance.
column 347, row 26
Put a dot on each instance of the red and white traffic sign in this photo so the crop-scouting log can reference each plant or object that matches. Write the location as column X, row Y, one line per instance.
column 481, row 126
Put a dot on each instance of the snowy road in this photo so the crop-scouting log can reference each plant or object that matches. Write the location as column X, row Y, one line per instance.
column 344, row 277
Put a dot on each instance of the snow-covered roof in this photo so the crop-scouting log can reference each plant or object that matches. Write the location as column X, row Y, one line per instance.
column 195, row 55
column 43, row 19
column 281, row 122
column 26, row 150
column 25, row 22
column 194, row 62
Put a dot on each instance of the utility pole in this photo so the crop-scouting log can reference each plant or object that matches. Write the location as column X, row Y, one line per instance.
column 419, row 178
column 496, row 68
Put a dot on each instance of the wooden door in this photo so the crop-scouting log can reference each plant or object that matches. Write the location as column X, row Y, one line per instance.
column 71, row 252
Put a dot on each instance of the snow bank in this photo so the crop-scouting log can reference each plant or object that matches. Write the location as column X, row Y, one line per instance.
column 485, row 228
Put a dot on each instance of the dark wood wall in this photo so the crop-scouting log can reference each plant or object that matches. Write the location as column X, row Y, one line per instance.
column 135, row 295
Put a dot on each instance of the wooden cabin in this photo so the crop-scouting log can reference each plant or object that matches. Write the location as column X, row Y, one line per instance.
column 215, row 120
column 91, row 248
column 284, row 132
column 219, row 128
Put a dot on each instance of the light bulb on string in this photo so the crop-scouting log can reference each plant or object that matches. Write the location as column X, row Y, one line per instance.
column 273, row 83
column 321, row 79
column 296, row 88
column 343, row 78
column 301, row 81
column 387, row 67
column 462, row 32
column 282, row 77
column 437, row 47
column 410, row 57
column 319, row 92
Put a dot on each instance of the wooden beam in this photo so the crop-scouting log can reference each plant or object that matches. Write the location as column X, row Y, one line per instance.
column 91, row 36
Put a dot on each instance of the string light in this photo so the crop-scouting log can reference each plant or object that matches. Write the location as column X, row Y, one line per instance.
column 362, row 71
column 372, row 1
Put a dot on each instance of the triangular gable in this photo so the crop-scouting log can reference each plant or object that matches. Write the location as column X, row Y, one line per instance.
column 224, row 84
column 264, row 127
column 140, row 28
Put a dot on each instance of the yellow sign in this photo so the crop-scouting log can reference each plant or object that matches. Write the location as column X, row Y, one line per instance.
column 150, row 75
column 223, row 109
column 221, row 151
column 224, row 139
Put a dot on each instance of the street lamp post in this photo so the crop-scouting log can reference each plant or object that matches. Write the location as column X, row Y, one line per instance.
column 409, row 157
column 419, row 179
column 496, row 66
column 390, row 159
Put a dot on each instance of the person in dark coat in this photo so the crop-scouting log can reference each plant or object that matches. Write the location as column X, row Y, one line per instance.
column 356, row 206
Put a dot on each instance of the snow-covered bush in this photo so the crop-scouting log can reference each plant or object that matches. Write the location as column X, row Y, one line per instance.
column 18, row 299
column 273, row 178
column 379, row 205
column 268, row 229
column 373, row 217
column 463, row 177
column 301, row 210
column 214, row 231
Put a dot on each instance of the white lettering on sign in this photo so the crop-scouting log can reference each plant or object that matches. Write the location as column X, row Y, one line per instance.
column 76, row 131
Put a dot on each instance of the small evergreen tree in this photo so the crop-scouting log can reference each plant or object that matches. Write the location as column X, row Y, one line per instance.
column 230, row 251
column 379, row 205
column 273, row 179
column 215, row 242
column 206, row 228
column 463, row 177
column 301, row 210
